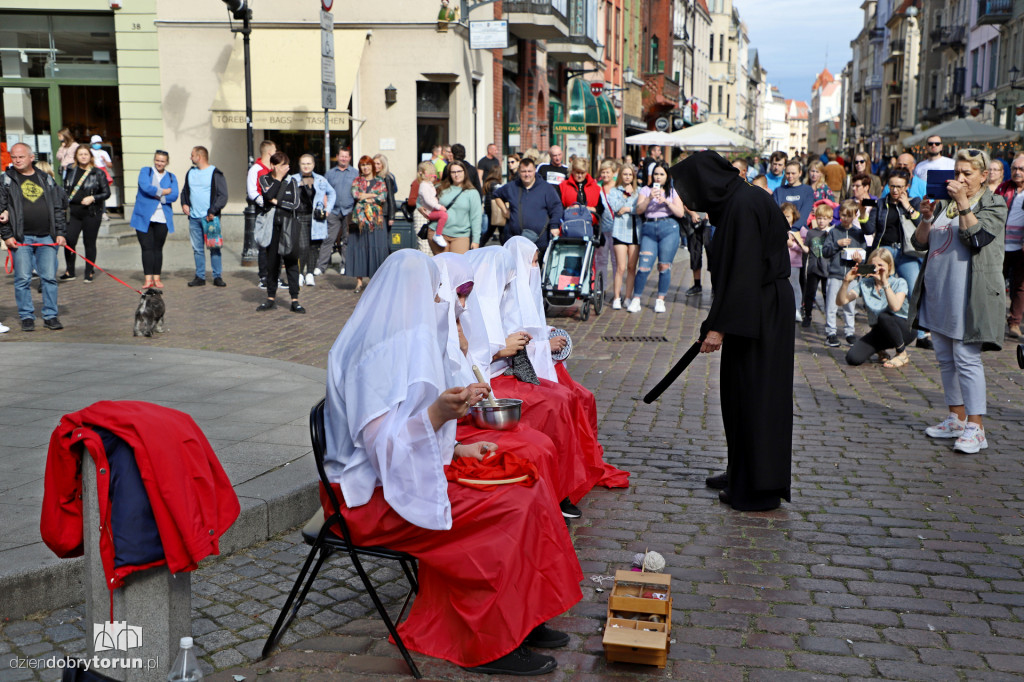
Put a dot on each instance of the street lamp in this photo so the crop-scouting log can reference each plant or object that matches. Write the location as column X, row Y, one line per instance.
column 240, row 11
column 1014, row 75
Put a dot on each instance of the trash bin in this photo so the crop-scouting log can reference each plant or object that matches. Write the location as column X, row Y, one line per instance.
column 402, row 236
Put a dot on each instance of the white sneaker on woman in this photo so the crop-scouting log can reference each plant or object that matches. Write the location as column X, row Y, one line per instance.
column 971, row 440
column 950, row 427
column 634, row 305
column 659, row 305
column 310, row 282
column 616, row 304
column 4, row 329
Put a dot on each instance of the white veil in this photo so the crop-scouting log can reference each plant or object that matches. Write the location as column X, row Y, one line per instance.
column 456, row 271
column 530, row 303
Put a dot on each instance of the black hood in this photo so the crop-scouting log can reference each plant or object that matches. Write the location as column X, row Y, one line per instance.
column 706, row 182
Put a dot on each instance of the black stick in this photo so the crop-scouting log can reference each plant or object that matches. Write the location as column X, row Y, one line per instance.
column 674, row 373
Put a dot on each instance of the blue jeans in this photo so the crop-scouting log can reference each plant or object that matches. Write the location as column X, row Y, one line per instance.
column 42, row 259
column 658, row 239
column 908, row 268
column 197, row 236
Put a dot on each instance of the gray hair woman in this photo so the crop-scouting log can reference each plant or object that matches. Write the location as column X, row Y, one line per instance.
column 959, row 294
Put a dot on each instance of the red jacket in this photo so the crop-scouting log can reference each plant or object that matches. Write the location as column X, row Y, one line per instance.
column 1007, row 190
column 192, row 499
column 569, row 193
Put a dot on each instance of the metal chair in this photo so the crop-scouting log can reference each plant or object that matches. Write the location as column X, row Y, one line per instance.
column 320, row 535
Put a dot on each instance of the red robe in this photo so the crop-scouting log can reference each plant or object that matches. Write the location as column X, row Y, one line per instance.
column 506, row 566
column 528, row 443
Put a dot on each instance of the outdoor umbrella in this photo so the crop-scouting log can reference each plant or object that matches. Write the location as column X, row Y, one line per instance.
column 655, row 137
column 694, row 136
column 964, row 130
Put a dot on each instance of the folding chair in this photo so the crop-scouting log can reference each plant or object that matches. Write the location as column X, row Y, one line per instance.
column 323, row 541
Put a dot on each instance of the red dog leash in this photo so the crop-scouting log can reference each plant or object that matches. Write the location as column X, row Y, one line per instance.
column 9, row 263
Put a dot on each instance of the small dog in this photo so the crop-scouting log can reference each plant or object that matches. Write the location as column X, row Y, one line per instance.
column 149, row 316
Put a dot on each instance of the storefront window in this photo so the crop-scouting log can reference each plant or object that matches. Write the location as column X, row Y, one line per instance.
column 57, row 46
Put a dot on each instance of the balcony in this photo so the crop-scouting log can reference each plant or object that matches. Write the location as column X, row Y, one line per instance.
column 873, row 82
column 994, row 11
column 895, row 89
column 581, row 43
column 876, row 35
column 953, row 37
column 537, row 19
column 897, row 47
column 857, row 96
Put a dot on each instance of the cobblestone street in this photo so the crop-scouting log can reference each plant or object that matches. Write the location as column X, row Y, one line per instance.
column 897, row 559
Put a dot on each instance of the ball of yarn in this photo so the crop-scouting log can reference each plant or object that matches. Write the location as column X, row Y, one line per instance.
column 653, row 562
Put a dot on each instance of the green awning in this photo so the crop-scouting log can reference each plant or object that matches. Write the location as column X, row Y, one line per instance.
column 585, row 108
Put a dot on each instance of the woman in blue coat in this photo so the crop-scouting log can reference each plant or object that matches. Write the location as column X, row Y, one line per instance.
column 153, row 216
column 314, row 193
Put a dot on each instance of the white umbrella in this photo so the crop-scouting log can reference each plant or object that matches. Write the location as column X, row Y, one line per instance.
column 700, row 135
column 655, row 137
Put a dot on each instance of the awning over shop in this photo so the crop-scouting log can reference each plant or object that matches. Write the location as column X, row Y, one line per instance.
column 285, row 66
column 585, row 108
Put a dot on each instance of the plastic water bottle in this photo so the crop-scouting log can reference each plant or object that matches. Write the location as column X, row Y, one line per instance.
column 186, row 666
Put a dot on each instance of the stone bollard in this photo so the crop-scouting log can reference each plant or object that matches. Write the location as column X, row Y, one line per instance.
column 152, row 609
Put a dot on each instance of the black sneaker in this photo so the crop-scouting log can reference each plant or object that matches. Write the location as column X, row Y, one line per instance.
column 218, row 282
column 695, row 290
column 544, row 637
column 87, row 278
column 806, row 321
column 850, row 340
column 66, row 277
column 832, row 340
column 28, row 324
column 924, row 342
column 569, row 510
column 296, row 308
column 266, row 305
column 263, row 282
column 521, row 662
column 718, row 481
column 53, row 323
column 196, row 282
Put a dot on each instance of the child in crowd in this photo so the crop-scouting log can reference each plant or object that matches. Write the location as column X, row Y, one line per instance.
column 797, row 249
column 816, row 267
column 843, row 236
column 437, row 212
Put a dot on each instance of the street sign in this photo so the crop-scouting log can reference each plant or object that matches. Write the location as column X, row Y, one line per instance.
column 328, row 96
column 326, row 21
column 327, row 43
column 560, row 128
column 596, row 88
column 327, row 70
column 488, row 35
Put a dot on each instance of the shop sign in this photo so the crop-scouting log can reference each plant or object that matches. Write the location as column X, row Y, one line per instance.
column 562, row 128
column 575, row 145
column 488, row 35
column 280, row 120
column 596, row 88
column 514, row 128
column 661, row 124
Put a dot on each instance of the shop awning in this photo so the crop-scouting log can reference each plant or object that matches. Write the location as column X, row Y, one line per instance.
column 285, row 70
column 585, row 108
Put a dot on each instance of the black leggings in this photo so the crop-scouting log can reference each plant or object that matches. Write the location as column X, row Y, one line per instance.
column 308, row 262
column 152, row 243
column 811, row 283
column 274, row 262
column 82, row 221
column 889, row 331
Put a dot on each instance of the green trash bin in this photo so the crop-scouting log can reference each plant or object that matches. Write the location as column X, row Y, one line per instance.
column 402, row 236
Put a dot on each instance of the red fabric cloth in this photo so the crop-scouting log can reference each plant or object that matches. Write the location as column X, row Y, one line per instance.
column 506, row 566
column 192, row 498
column 528, row 444
column 496, row 466
column 259, row 174
column 607, row 475
column 552, row 409
column 568, row 191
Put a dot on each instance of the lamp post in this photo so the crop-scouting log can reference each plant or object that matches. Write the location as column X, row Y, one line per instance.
column 240, row 11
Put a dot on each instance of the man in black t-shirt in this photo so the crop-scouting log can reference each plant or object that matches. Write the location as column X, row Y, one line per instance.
column 553, row 172
column 459, row 154
column 32, row 225
column 489, row 163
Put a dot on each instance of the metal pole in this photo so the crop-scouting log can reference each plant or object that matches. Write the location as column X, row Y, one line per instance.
column 249, row 254
column 327, row 141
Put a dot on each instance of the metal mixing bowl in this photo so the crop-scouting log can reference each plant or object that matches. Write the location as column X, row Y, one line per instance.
column 502, row 417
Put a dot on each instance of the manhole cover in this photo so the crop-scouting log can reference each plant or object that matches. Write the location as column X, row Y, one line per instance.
column 634, row 339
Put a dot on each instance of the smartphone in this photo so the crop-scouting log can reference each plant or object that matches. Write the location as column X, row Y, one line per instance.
column 655, row 186
column 868, row 202
column 936, row 183
column 865, row 269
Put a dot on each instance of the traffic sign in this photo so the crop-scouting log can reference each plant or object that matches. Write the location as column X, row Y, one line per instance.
column 327, row 43
column 327, row 70
column 328, row 96
column 327, row 5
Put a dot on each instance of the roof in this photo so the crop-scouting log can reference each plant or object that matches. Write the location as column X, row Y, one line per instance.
column 704, row 6
column 796, row 109
column 824, row 78
column 829, row 89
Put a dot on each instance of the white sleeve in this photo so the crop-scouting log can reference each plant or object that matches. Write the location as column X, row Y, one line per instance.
column 251, row 189
column 409, row 459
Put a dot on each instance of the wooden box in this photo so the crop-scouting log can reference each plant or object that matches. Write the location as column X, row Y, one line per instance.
column 639, row 626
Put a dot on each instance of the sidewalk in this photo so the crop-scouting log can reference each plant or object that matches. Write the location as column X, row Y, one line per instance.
column 896, row 559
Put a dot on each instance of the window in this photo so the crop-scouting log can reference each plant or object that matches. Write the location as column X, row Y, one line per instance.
column 728, row 106
column 652, row 62
column 721, row 46
column 711, row 51
column 618, row 32
column 993, row 56
column 431, row 115
column 719, row 108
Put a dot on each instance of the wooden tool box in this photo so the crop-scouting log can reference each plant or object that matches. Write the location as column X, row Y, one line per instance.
column 639, row 618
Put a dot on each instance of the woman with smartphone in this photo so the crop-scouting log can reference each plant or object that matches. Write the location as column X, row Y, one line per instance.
column 659, row 238
column 886, row 298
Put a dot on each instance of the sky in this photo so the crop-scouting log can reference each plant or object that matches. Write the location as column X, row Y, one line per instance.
column 793, row 37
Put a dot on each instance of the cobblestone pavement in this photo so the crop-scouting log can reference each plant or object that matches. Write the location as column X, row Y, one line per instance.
column 896, row 559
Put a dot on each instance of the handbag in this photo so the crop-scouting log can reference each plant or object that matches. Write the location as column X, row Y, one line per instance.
column 264, row 229
column 319, row 213
column 214, row 238
column 423, row 232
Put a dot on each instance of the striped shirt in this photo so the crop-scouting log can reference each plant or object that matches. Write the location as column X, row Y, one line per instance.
column 1015, row 223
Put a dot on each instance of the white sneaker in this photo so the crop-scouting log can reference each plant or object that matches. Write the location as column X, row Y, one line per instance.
column 302, row 280
column 439, row 240
column 950, row 427
column 4, row 329
column 310, row 282
column 799, row 317
column 634, row 305
column 317, row 271
column 659, row 305
column 616, row 304
column 971, row 440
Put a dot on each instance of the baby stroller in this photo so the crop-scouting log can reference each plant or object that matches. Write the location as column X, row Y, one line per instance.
column 569, row 271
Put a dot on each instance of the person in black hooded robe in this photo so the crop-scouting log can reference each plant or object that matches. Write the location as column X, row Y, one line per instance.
column 751, row 321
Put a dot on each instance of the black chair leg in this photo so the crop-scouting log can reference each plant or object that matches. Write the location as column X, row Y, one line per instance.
column 288, row 611
column 384, row 615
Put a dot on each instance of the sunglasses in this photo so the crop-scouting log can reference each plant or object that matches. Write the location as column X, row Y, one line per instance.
column 161, row 152
column 934, row 143
column 973, row 153
column 860, row 161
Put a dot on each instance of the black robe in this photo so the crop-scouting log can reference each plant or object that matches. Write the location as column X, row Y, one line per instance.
column 753, row 309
